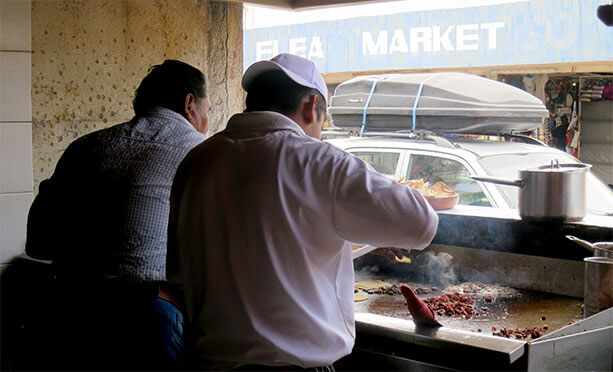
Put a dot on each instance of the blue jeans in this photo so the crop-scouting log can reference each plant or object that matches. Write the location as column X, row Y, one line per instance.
column 171, row 328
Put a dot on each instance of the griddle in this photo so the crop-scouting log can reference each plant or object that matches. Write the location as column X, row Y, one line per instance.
column 524, row 311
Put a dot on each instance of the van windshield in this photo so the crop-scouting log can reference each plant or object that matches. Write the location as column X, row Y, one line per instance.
column 599, row 195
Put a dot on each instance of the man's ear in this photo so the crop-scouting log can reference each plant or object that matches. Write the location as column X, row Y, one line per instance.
column 309, row 112
column 190, row 101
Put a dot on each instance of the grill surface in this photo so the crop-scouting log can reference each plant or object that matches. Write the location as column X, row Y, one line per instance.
column 523, row 311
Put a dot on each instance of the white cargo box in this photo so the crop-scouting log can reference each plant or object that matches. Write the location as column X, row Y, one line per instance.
column 446, row 102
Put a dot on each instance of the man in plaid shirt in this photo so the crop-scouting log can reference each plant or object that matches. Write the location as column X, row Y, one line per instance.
column 102, row 219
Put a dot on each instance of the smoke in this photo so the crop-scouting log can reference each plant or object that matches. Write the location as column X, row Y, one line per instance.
column 427, row 268
column 490, row 276
column 438, row 269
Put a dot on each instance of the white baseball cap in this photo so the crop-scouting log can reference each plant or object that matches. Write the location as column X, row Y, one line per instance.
column 299, row 69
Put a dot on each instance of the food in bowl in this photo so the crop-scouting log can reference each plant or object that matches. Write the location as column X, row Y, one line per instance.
column 439, row 195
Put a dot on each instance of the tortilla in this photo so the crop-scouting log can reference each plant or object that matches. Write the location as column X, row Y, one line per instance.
column 360, row 296
column 373, row 284
column 404, row 259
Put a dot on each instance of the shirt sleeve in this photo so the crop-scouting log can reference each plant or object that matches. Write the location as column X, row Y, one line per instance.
column 369, row 208
column 173, row 274
column 41, row 211
column 49, row 209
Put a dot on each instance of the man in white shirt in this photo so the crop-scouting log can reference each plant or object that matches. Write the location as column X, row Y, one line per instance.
column 261, row 219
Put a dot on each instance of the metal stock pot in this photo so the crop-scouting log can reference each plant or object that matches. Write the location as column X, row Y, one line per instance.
column 550, row 192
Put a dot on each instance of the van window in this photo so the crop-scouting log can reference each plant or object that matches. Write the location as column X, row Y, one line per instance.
column 433, row 169
column 383, row 162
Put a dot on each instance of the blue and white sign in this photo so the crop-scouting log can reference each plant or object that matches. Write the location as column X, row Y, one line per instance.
column 527, row 32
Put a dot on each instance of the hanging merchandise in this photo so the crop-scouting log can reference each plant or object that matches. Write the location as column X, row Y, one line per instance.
column 572, row 135
column 596, row 124
column 564, row 87
column 559, row 132
column 560, row 102
column 596, row 89
column 607, row 92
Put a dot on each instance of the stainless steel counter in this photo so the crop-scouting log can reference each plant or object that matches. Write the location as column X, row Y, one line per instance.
column 490, row 246
column 385, row 343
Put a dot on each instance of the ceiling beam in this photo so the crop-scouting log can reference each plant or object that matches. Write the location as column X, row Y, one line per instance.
column 311, row 4
column 305, row 4
column 565, row 68
column 281, row 4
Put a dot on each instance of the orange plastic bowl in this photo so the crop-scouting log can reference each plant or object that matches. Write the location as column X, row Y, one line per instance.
column 443, row 202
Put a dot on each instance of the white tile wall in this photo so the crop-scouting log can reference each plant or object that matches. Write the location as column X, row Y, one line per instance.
column 16, row 155
column 15, row 126
column 13, row 217
column 16, row 87
column 15, row 24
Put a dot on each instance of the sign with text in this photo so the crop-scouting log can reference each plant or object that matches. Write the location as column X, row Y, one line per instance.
column 531, row 32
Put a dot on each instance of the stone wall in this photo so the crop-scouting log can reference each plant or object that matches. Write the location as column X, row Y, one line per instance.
column 88, row 57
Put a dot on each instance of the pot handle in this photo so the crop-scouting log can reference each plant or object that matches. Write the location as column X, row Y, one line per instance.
column 502, row 181
column 581, row 242
column 555, row 164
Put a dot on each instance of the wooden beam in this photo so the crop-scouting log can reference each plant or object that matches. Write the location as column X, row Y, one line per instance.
column 305, row 4
column 312, row 4
column 279, row 4
column 489, row 71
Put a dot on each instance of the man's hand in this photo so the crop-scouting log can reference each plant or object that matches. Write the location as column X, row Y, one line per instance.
column 391, row 253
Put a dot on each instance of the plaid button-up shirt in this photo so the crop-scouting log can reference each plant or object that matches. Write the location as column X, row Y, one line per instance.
column 104, row 212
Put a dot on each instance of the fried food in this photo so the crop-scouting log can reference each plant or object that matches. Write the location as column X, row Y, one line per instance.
column 478, row 289
column 440, row 189
column 437, row 190
column 519, row 333
column 452, row 304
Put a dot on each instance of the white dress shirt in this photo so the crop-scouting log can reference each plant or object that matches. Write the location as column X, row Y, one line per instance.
column 261, row 220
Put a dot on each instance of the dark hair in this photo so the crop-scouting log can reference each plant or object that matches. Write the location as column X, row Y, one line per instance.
column 167, row 85
column 274, row 91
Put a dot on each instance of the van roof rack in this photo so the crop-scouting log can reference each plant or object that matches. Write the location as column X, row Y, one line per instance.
column 523, row 138
column 441, row 139
column 424, row 135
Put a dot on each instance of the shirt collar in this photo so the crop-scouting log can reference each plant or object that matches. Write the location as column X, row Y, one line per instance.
column 261, row 121
column 165, row 114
